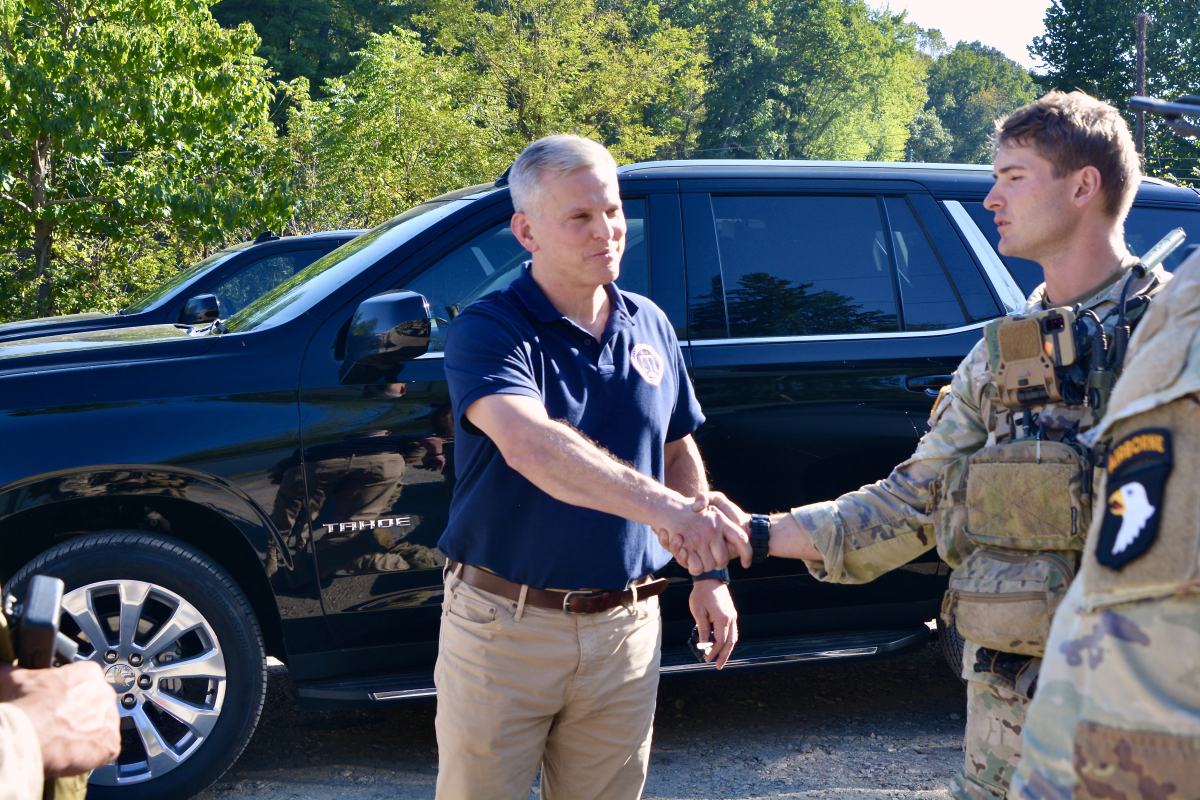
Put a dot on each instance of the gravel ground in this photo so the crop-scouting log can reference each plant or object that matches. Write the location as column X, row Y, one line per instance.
column 860, row 731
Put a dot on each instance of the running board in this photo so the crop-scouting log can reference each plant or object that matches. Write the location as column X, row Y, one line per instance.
column 369, row 691
column 795, row 649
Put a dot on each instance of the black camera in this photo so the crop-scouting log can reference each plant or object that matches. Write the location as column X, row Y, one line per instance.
column 34, row 625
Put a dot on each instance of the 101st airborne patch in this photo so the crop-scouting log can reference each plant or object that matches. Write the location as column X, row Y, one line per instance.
column 1138, row 467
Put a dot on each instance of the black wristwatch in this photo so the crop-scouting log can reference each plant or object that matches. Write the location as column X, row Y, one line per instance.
column 760, row 537
column 720, row 574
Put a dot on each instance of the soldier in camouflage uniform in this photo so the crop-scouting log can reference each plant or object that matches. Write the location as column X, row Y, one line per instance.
column 1117, row 711
column 923, row 503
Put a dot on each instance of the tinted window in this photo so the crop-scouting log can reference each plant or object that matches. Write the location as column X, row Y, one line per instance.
column 259, row 277
column 167, row 290
column 797, row 266
column 927, row 298
column 964, row 273
column 1143, row 228
column 326, row 275
column 492, row 260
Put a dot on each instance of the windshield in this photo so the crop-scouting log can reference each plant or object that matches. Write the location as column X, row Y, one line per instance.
column 166, row 290
column 308, row 287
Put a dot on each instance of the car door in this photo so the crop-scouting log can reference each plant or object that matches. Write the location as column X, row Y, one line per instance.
column 822, row 321
column 379, row 460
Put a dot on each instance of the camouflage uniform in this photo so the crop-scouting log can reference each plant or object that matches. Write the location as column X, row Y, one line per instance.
column 1117, row 711
column 864, row 534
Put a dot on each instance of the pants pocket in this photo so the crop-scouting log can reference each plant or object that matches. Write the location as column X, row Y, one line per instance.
column 1112, row 763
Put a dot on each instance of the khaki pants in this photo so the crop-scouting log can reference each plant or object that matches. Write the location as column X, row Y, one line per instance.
column 573, row 694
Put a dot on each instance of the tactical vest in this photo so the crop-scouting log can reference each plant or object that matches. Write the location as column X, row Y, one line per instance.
column 1018, row 510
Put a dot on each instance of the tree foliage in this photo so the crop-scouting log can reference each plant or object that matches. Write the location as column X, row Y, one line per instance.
column 618, row 75
column 1091, row 45
column 403, row 126
column 969, row 88
column 119, row 117
column 806, row 78
column 313, row 39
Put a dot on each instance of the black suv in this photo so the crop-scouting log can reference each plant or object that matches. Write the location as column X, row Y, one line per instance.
column 237, row 276
column 276, row 484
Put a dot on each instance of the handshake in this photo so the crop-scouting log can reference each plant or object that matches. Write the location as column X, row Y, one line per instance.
column 706, row 535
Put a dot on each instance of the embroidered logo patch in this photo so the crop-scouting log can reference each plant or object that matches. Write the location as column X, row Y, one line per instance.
column 648, row 363
column 1138, row 467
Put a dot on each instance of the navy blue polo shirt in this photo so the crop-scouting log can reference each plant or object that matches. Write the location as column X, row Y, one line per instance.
column 629, row 393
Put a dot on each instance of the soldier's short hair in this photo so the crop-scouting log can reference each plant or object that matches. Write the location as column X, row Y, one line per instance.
column 1073, row 130
column 560, row 154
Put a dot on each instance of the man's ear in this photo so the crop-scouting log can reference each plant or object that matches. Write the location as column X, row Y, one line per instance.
column 523, row 230
column 1087, row 186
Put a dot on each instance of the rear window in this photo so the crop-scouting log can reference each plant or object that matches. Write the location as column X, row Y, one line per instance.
column 1144, row 226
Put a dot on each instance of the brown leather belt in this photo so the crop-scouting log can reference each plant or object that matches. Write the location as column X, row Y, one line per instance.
column 576, row 602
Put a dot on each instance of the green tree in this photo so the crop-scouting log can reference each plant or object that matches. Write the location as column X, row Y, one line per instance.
column 314, row 39
column 618, row 75
column 403, row 126
column 969, row 88
column 118, row 117
column 806, row 78
column 1091, row 45
column 928, row 139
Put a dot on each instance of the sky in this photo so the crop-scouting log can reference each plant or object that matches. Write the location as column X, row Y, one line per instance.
column 1008, row 26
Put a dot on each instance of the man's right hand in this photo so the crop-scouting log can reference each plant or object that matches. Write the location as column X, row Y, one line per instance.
column 702, row 538
column 73, row 710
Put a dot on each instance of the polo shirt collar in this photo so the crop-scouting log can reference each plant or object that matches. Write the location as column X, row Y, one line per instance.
column 622, row 311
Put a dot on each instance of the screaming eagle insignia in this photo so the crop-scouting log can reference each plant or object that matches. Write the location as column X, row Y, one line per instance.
column 1138, row 467
column 648, row 363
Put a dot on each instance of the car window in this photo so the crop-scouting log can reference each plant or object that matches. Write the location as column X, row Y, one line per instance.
column 166, row 291
column 259, row 277
column 326, row 275
column 926, row 296
column 493, row 259
column 796, row 266
column 1143, row 228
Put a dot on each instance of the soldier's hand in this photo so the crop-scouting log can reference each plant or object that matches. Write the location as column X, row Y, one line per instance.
column 73, row 710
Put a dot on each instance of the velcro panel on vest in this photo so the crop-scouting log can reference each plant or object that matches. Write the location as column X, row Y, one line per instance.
column 1028, row 495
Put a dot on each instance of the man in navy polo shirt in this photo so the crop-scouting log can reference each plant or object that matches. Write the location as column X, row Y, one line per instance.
column 573, row 419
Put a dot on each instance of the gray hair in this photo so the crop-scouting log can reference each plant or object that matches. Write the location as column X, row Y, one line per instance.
column 557, row 155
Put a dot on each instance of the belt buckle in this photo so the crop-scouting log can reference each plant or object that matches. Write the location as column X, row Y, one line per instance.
column 567, row 601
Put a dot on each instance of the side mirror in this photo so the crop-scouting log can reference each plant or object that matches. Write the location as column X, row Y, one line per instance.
column 386, row 330
column 200, row 310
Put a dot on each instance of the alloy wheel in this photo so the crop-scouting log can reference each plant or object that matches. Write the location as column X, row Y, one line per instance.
column 165, row 664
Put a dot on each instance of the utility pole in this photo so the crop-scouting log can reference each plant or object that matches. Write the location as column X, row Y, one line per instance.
column 1139, row 135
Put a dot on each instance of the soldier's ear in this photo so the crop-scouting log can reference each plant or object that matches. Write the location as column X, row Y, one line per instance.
column 1088, row 186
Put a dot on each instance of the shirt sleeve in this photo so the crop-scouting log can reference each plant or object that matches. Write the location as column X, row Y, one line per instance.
column 865, row 533
column 20, row 756
column 485, row 356
column 686, row 417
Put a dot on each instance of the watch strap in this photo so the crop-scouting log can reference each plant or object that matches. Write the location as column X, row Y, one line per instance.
column 720, row 574
column 760, row 537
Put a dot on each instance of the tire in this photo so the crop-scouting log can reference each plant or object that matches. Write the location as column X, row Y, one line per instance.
column 189, row 611
column 952, row 645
